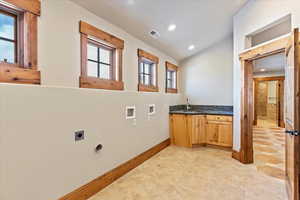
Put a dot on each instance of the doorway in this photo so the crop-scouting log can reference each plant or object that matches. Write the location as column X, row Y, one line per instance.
column 269, row 102
column 268, row 77
column 290, row 46
column 268, row 132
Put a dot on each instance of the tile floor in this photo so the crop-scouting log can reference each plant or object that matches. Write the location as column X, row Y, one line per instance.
column 195, row 174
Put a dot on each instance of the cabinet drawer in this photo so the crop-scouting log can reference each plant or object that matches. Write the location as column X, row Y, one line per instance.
column 219, row 118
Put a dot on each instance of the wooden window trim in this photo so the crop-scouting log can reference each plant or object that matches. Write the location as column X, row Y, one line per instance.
column 90, row 30
column 32, row 6
column 148, row 56
column 24, row 71
column 116, row 83
column 97, row 83
column 12, row 73
column 172, row 67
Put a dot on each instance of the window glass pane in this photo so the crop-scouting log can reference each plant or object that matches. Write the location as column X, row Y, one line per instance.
column 147, row 80
column 104, row 71
column 141, row 79
column 169, row 83
column 174, row 80
column 105, row 56
column 141, row 67
column 7, row 26
column 92, row 52
column 168, row 74
column 92, row 69
column 7, row 51
column 147, row 68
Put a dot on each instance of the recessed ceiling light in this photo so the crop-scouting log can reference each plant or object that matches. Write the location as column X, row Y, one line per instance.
column 262, row 70
column 191, row 47
column 172, row 27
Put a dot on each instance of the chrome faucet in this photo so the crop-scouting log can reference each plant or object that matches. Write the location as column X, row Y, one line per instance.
column 188, row 106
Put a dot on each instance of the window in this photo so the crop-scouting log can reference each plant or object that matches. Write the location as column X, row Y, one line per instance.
column 8, row 37
column 147, row 72
column 171, row 78
column 101, row 59
column 18, row 41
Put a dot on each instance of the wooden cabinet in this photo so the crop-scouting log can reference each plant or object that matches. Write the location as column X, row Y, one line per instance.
column 196, row 129
column 219, row 133
column 212, row 130
column 179, row 135
column 219, row 118
column 189, row 130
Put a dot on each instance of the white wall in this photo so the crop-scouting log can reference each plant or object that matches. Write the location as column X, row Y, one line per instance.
column 39, row 158
column 59, row 46
column 207, row 77
column 255, row 15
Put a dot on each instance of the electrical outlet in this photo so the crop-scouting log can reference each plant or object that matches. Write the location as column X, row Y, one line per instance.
column 151, row 109
column 130, row 112
column 79, row 135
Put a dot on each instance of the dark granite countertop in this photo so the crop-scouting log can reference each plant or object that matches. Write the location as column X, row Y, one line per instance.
column 202, row 110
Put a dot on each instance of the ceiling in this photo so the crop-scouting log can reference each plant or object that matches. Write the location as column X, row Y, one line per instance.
column 274, row 63
column 202, row 23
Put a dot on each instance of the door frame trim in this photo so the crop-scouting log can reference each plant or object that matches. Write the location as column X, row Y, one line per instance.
column 247, row 103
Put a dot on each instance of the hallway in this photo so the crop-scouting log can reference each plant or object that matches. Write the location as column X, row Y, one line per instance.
column 264, row 122
column 269, row 151
column 194, row 174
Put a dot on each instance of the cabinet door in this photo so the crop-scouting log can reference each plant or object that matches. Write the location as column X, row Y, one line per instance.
column 212, row 133
column 180, row 136
column 196, row 129
column 219, row 133
column 225, row 134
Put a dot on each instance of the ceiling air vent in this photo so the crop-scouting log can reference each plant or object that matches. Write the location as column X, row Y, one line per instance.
column 154, row 34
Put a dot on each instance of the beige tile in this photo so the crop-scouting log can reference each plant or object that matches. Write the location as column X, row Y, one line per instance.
column 194, row 174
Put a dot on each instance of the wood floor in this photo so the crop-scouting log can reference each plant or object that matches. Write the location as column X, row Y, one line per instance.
column 194, row 174
column 269, row 151
column 264, row 122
